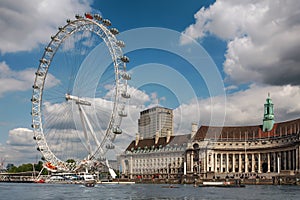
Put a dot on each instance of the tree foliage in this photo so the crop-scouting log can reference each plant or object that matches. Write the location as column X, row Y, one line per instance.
column 70, row 161
column 29, row 167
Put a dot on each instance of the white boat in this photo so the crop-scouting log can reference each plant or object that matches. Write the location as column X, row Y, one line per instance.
column 117, row 182
column 221, row 184
column 89, row 180
column 215, row 183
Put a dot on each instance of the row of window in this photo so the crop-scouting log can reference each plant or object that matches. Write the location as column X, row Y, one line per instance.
column 257, row 142
column 156, row 162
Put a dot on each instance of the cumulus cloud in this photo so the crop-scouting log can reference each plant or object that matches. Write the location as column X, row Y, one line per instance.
column 137, row 97
column 15, row 80
column 20, row 137
column 26, row 22
column 20, row 147
column 241, row 107
column 263, row 42
column 11, row 80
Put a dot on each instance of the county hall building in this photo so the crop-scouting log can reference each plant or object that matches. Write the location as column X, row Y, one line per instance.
column 263, row 151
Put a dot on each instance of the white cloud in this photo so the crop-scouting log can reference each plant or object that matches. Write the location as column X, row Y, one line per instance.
column 15, row 80
column 11, row 80
column 242, row 108
column 20, row 137
column 231, row 87
column 29, row 23
column 137, row 97
column 20, row 147
column 2, row 150
column 263, row 42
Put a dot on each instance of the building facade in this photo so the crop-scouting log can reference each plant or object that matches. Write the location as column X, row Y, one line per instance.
column 261, row 151
column 247, row 151
column 159, row 157
column 153, row 120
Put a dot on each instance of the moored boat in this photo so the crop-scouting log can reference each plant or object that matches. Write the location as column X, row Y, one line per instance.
column 39, row 181
column 221, row 184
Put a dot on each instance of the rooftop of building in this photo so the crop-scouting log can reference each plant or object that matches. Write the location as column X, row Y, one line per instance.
column 242, row 133
column 155, row 108
column 177, row 140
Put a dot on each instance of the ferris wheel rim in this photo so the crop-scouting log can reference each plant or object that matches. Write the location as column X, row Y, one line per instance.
column 121, row 77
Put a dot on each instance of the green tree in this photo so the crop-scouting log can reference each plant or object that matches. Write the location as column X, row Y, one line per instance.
column 27, row 168
column 70, row 161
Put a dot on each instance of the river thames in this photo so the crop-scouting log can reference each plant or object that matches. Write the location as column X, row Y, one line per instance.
column 144, row 191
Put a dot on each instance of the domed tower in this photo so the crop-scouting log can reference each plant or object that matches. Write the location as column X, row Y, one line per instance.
column 268, row 120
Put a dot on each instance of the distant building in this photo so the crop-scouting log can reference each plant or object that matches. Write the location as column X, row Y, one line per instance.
column 155, row 153
column 153, row 120
column 159, row 157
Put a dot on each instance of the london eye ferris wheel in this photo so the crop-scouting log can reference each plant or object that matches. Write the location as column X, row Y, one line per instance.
column 80, row 94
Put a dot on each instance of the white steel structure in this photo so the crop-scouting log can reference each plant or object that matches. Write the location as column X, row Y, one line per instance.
column 77, row 103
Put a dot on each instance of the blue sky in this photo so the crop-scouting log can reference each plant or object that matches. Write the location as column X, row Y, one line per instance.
column 254, row 47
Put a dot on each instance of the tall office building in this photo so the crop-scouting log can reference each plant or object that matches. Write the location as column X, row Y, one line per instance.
column 155, row 120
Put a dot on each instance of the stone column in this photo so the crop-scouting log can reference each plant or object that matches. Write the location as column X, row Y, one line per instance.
column 294, row 151
column 205, row 167
column 297, row 159
column 233, row 162
column 253, row 162
column 227, row 163
column 192, row 161
column 212, row 162
column 279, row 161
column 293, row 159
column 130, row 165
column 269, row 163
column 221, row 160
column 246, row 162
column 259, row 165
column 216, row 162
column 240, row 163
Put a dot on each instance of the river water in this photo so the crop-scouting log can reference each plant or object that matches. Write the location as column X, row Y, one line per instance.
column 143, row 191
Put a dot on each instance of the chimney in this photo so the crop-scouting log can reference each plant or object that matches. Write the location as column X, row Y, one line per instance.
column 194, row 130
column 168, row 136
column 137, row 138
column 156, row 137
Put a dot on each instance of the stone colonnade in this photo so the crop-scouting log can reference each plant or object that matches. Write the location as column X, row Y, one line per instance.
column 244, row 162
